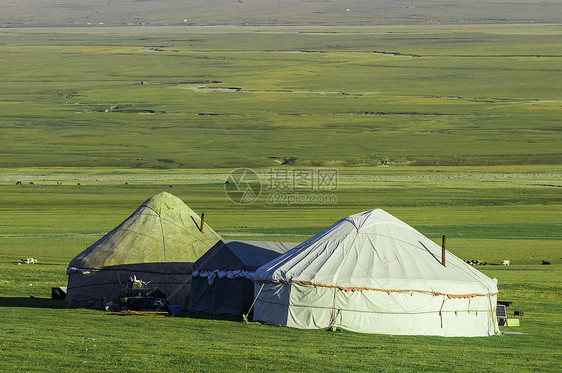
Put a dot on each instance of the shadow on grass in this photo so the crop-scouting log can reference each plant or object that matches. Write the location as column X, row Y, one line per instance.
column 31, row 302
column 211, row 316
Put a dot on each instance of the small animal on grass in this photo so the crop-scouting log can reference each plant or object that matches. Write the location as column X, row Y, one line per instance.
column 475, row 262
column 505, row 262
column 28, row 261
column 18, row 182
column 545, row 263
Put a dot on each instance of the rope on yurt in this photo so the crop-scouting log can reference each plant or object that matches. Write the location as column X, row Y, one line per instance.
column 440, row 309
column 163, row 237
column 494, row 317
column 161, row 229
column 245, row 316
column 335, row 312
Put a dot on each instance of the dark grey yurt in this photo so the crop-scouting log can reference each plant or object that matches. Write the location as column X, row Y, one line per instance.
column 222, row 278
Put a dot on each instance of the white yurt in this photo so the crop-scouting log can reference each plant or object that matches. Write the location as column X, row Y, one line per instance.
column 372, row 273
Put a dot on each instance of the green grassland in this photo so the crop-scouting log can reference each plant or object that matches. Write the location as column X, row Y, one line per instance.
column 453, row 129
column 487, row 213
column 214, row 98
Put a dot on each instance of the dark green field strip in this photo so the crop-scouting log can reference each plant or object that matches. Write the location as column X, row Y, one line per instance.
column 407, row 195
column 513, row 231
column 288, row 232
column 554, row 289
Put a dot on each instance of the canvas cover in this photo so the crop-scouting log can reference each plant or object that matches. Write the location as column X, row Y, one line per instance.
column 222, row 277
column 159, row 243
column 373, row 273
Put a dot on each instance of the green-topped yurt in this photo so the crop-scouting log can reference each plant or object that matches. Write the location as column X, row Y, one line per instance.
column 158, row 243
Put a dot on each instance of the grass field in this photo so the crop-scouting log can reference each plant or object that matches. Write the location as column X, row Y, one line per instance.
column 453, row 129
column 488, row 213
column 447, row 95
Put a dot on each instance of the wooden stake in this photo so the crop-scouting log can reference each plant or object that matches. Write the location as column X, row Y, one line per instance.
column 202, row 222
column 443, row 250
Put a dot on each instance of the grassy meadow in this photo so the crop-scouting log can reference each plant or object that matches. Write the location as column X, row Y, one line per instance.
column 214, row 98
column 453, row 129
column 509, row 213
